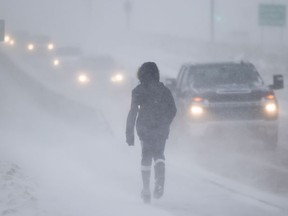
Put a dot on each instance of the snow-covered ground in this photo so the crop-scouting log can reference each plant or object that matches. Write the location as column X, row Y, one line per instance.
column 63, row 152
column 70, row 168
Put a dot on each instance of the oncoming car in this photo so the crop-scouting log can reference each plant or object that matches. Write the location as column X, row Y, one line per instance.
column 40, row 44
column 102, row 70
column 225, row 95
column 98, row 72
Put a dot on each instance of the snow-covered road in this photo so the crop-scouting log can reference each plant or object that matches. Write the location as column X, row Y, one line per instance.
column 55, row 165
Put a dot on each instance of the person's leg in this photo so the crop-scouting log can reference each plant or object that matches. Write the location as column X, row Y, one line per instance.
column 146, row 163
column 159, row 168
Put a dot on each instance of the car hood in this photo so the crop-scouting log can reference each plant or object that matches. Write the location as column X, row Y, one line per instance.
column 226, row 93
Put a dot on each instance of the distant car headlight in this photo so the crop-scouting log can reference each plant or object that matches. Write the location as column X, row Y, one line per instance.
column 30, row 47
column 7, row 39
column 56, row 62
column 83, row 79
column 117, row 78
column 12, row 42
column 196, row 110
column 50, row 46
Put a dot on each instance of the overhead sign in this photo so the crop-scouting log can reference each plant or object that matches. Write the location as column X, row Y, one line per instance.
column 2, row 30
column 272, row 15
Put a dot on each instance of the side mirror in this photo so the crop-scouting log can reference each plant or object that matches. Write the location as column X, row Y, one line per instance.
column 170, row 83
column 278, row 82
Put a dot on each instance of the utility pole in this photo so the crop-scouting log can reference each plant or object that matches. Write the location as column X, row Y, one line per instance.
column 128, row 9
column 212, row 21
column 2, row 30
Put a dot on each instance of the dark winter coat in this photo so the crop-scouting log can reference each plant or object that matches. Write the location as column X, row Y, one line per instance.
column 155, row 106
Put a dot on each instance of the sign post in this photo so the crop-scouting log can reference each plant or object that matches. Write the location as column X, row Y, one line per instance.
column 212, row 21
column 272, row 15
column 2, row 30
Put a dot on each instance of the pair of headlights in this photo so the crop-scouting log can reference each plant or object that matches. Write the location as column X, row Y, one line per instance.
column 198, row 106
column 31, row 46
column 117, row 78
column 84, row 78
column 8, row 40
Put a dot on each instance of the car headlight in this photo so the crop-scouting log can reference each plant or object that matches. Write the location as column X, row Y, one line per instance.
column 196, row 110
column 269, row 104
column 117, row 78
column 198, row 106
column 50, row 46
column 12, row 42
column 83, row 79
column 56, row 62
column 30, row 47
column 7, row 38
column 271, row 108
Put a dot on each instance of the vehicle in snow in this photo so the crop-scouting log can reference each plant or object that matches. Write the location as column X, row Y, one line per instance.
column 227, row 95
column 100, row 71
column 40, row 44
column 18, row 39
column 104, row 72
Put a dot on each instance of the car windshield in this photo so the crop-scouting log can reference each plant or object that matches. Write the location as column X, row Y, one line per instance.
column 223, row 75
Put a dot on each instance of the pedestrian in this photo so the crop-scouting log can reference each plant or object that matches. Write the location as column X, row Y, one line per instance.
column 154, row 107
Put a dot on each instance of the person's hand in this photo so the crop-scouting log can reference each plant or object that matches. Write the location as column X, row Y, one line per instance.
column 130, row 144
column 130, row 141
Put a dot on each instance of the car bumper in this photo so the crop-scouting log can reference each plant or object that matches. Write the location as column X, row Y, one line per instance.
column 201, row 128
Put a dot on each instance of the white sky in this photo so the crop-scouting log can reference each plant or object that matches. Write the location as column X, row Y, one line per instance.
column 105, row 18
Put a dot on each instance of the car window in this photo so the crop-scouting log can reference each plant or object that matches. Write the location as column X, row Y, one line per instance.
column 183, row 79
column 214, row 76
column 179, row 78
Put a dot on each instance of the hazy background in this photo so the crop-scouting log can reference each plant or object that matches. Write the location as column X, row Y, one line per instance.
column 62, row 145
column 95, row 21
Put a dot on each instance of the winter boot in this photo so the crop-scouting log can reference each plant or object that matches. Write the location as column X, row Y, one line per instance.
column 146, row 196
column 159, row 179
column 145, row 193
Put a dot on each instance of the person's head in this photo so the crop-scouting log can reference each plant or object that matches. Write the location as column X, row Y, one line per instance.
column 148, row 72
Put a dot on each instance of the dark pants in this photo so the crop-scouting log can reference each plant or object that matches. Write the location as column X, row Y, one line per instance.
column 153, row 150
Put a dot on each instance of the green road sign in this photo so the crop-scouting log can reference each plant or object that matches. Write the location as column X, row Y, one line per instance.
column 272, row 15
column 2, row 30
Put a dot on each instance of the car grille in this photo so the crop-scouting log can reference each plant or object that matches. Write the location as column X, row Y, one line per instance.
column 235, row 111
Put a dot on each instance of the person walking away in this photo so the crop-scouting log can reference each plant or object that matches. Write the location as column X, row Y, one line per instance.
column 154, row 107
